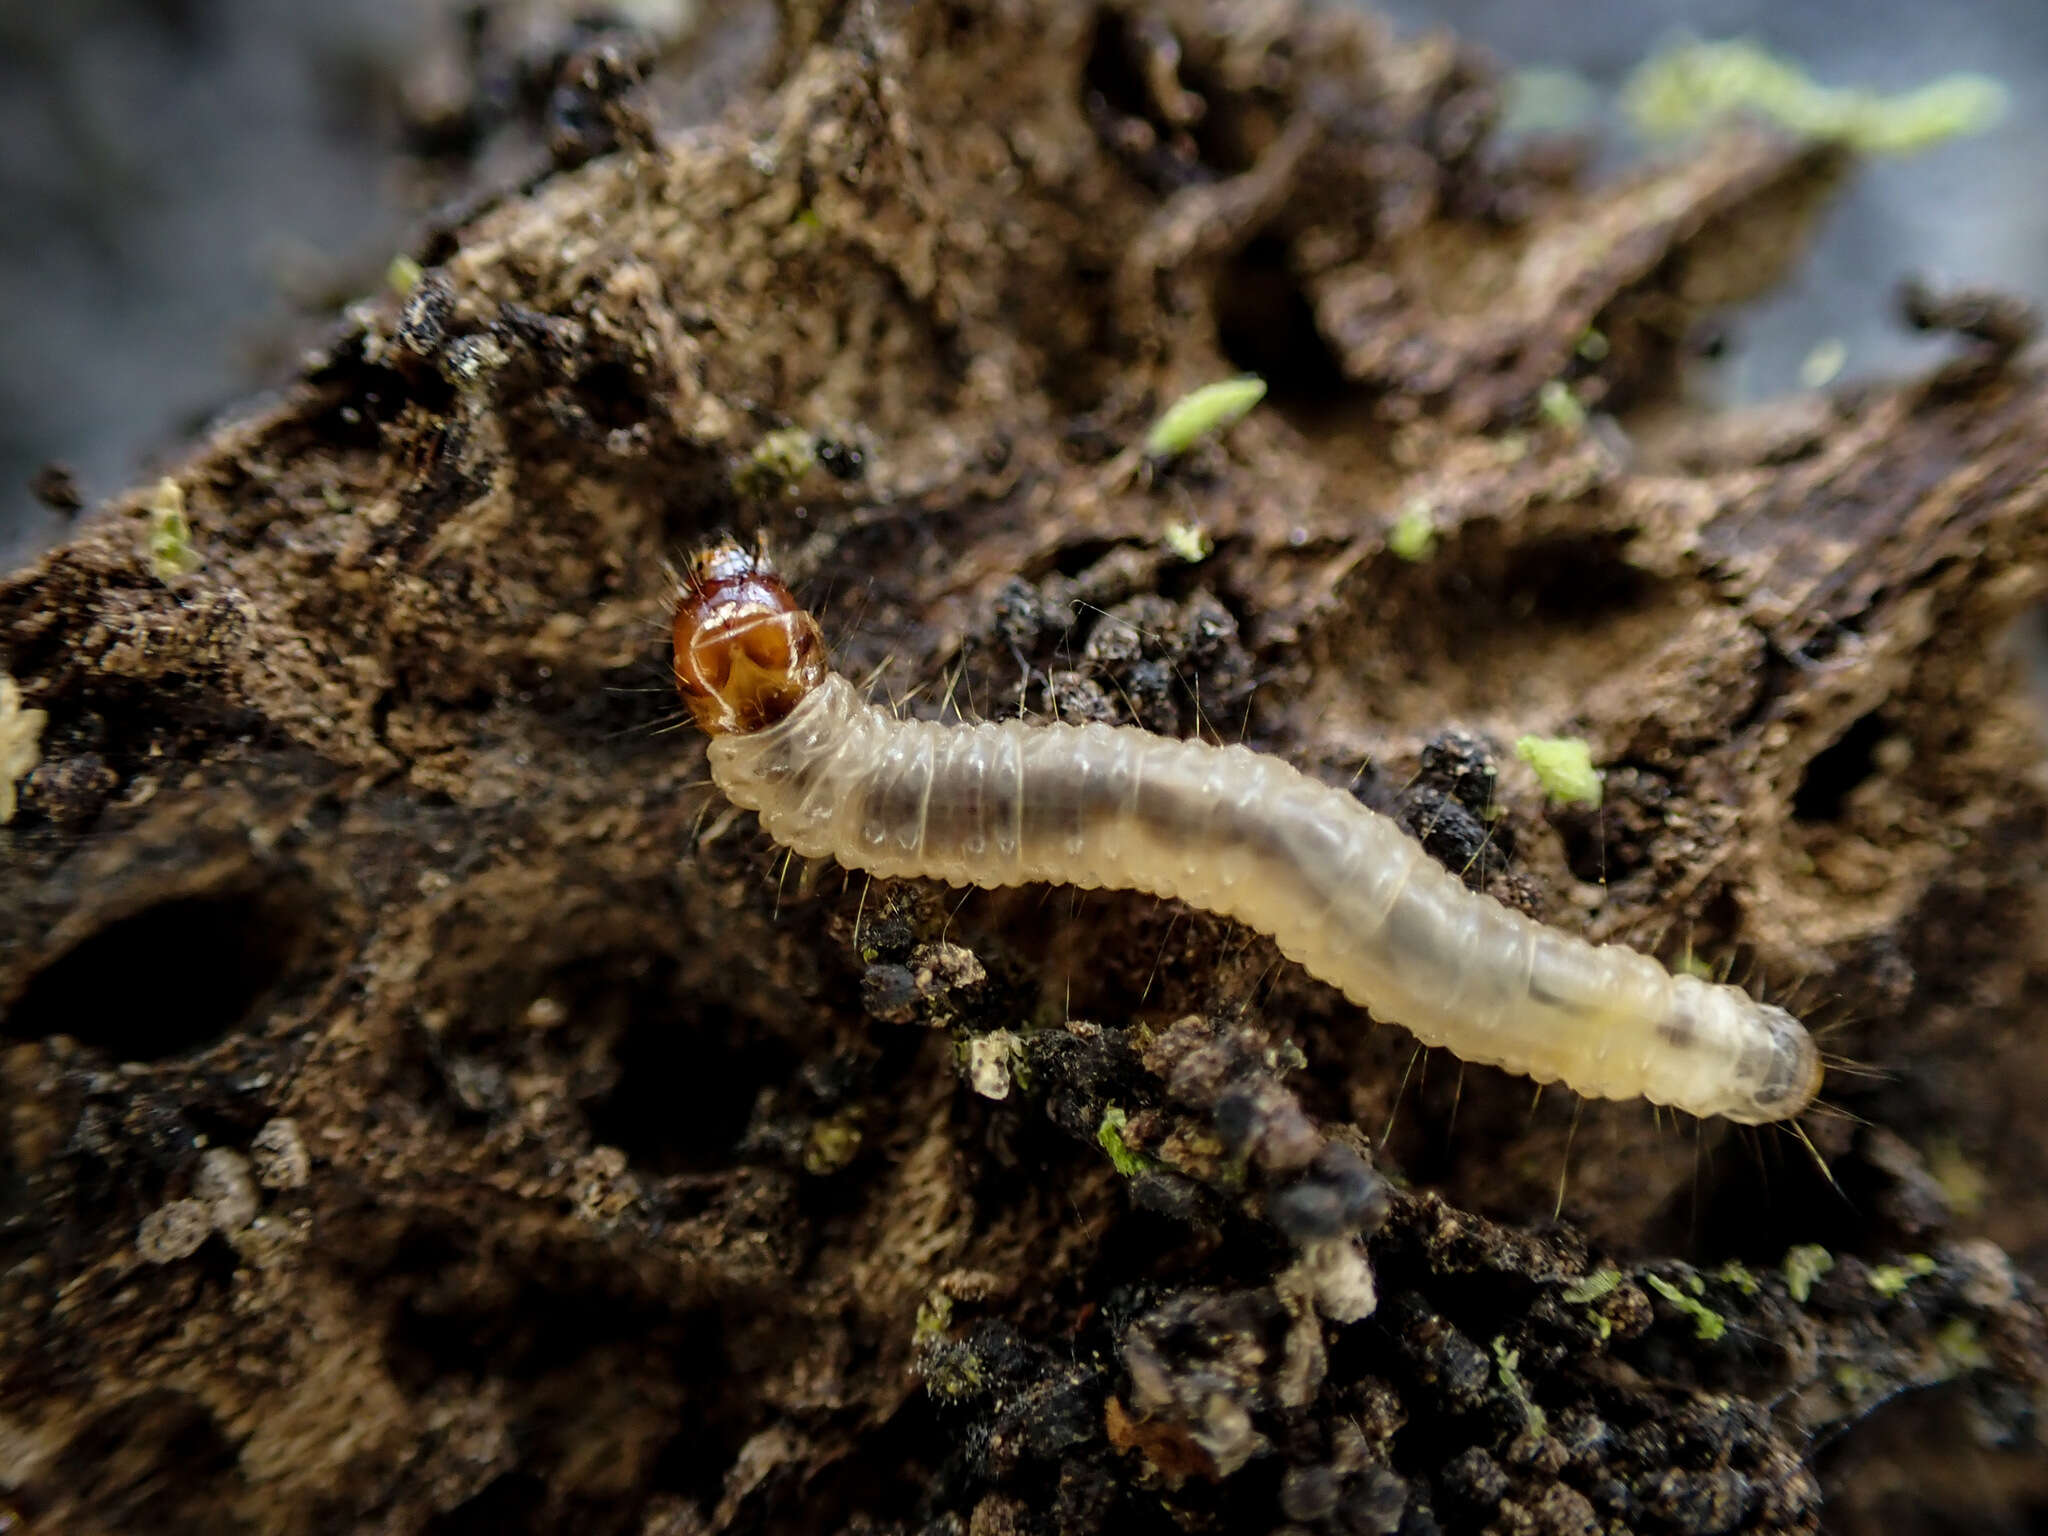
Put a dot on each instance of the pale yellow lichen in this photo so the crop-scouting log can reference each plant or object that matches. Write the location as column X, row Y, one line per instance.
column 1200, row 412
column 778, row 462
column 1564, row 764
column 403, row 275
column 1803, row 1265
column 1560, row 407
column 21, row 736
column 1695, row 84
column 1190, row 541
column 170, row 532
column 1708, row 1326
column 1413, row 536
column 1824, row 363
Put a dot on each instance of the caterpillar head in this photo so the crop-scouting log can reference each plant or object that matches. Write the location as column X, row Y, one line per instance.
column 746, row 653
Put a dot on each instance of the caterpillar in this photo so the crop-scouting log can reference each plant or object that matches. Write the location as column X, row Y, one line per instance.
column 1339, row 888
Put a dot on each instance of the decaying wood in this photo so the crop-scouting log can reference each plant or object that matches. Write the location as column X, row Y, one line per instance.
column 427, row 1112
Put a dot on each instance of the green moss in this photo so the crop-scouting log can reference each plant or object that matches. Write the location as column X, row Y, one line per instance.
column 1506, row 1361
column 1691, row 86
column 1803, row 1265
column 1738, row 1275
column 1602, row 1282
column 170, row 533
column 1413, row 536
column 1564, row 766
column 1200, row 412
column 934, row 1317
column 1707, row 1324
column 1110, row 1135
column 778, row 461
column 1889, row 1280
column 1593, row 345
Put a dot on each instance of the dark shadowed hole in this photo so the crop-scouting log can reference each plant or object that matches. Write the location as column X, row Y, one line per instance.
column 1082, row 555
column 511, row 1505
column 686, row 1086
column 170, row 979
column 543, row 1315
column 1112, row 70
column 1266, row 326
column 887, row 1480
column 156, row 1463
column 1576, row 580
column 613, row 395
column 1837, row 770
column 1763, row 1192
column 1956, row 1457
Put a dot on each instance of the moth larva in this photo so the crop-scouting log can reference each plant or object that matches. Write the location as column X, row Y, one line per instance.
column 1342, row 890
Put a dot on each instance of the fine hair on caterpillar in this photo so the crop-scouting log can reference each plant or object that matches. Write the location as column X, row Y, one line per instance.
column 1341, row 890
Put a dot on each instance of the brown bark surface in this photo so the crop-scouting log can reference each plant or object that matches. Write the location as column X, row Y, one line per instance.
column 427, row 1110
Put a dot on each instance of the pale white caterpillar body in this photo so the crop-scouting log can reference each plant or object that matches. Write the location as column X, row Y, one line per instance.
column 1340, row 889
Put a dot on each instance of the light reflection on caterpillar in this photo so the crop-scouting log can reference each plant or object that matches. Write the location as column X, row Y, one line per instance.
column 1342, row 890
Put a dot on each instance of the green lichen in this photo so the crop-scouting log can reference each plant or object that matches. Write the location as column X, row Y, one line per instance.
column 1413, row 536
column 1960, row 1346
column 1110, row 1136
column 1556, row 403
column 170, row 533
column 1803, row 1265
column 1695, row 84
column 952, row 1372
column 1593, row 345
column 1889, row 1280
column 831, row 1144
column 1602, row 1282
column 1506, row 1361
column 1961, row 1180
column 778, row 461
column 1824, row 364
column 1200, row 412
column 1855, row 1383
column 403, row 275
column 1564, row 766
column 1708, row 1325
column 934, row 1317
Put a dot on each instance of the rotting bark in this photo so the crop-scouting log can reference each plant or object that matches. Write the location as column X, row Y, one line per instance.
column 427, row 1112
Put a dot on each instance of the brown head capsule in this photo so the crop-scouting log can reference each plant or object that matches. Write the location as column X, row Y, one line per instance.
column 746, row 652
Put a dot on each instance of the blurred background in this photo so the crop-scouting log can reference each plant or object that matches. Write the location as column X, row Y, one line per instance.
column 191, row 189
